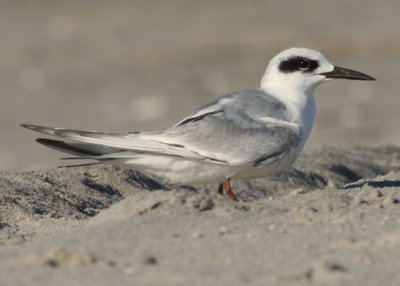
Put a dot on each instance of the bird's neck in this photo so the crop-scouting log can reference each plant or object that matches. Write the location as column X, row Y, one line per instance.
column 300, row 106
column 296, row 101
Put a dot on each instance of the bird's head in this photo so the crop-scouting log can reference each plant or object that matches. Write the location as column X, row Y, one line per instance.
column 301, row 69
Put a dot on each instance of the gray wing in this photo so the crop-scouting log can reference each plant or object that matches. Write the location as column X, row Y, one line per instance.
column 248, row 127
column 254, row 101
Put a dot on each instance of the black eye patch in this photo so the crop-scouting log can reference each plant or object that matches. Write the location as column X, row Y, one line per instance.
column 298, row 64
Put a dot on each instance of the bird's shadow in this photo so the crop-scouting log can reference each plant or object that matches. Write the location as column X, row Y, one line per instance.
column 379, row 184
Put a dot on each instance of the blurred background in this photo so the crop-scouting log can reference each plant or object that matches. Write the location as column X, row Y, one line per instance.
column 133, row 65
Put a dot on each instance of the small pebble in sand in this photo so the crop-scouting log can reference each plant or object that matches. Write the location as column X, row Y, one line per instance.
column 197, row 235
column 223, row 230
column 151, row 260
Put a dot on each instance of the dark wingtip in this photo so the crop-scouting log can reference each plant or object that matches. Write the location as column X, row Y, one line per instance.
column 52, row 143
column 66, row 147
column 46, row 141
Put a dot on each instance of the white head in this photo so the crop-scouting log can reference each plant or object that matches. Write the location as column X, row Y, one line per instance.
column 302, row 70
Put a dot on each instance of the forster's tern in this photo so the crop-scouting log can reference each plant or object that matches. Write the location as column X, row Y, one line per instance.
column 246, row 134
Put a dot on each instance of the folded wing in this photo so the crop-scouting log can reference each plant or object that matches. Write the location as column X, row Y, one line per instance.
column 241, row 128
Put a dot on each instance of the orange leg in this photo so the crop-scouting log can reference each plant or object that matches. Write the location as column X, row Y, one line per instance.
column 226, row 186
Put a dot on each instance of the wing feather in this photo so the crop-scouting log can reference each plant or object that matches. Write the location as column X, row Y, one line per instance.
column 248, row 127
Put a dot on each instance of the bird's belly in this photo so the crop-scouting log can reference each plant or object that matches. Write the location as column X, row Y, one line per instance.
column 179, row 170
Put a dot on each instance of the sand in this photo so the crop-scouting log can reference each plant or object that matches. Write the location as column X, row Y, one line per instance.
column 332, row 220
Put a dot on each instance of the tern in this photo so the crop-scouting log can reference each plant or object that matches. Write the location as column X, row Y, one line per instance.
column 246, row 134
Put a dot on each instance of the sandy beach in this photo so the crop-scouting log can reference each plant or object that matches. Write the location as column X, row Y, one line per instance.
column 333, row 220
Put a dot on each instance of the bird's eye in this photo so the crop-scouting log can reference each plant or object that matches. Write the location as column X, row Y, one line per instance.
column 298, row 64
column 304, row 64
